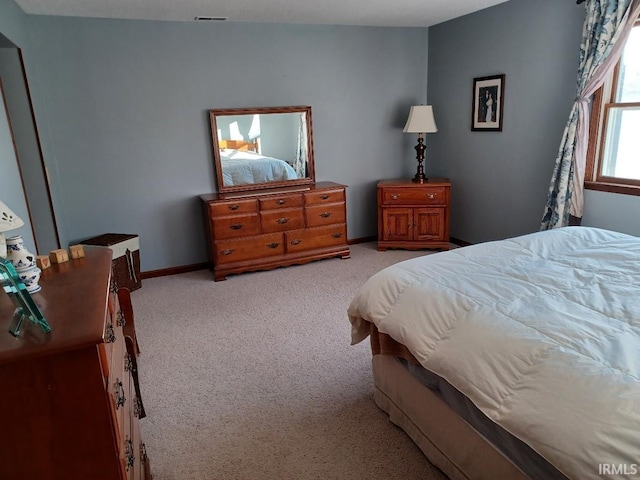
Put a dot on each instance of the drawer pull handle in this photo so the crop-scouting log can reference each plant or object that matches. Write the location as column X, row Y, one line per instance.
column 128, row 363
column 121, row 320
column 394, row 196
column 336, row 235
column 119, row 392
column 234, row 207
column 128, row 450
column 282, row 221
column 432, row 195
column 227, row 251
column 296, row 241
column 273, row 245
column 236, row 226
column 111, row 335
column 324, row 197
column 143, row 452
column 281, row 202
column 325, row 214
column 136, row 407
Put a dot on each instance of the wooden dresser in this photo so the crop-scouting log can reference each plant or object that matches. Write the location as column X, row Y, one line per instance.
column 275, row 227
column 413, row 215
column 68, row 398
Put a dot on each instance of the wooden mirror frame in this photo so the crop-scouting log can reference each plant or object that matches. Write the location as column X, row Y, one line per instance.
column 214, row 114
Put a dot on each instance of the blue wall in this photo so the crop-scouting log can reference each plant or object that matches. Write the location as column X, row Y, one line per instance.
column 122, row 109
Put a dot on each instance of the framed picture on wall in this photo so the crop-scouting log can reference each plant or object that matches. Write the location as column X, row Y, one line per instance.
column 488, row 103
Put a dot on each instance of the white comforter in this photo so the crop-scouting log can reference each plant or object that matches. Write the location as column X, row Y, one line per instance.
column 541, row 332
column 243, row 168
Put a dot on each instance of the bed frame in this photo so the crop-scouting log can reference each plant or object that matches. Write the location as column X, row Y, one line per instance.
column 447, row 440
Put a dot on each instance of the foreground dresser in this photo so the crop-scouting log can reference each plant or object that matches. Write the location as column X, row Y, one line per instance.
column 275, row 227
column 70, row 406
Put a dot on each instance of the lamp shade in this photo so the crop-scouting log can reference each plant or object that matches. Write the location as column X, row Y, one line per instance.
column 8, row 219
column 421, row 120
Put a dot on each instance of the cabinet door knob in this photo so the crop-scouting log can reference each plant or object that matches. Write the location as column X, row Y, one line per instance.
column 282, row 221
column 432, row 195
column 394, row 196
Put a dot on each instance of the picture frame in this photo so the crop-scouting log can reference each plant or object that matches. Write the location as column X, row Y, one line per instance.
column 487, row 110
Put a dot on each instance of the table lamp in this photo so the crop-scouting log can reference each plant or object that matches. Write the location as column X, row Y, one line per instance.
column 8, row 221
column 420, row 121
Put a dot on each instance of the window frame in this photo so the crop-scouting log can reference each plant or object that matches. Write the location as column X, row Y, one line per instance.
column 594, row 179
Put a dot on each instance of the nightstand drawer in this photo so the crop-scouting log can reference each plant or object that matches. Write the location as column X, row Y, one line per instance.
column 414, row 196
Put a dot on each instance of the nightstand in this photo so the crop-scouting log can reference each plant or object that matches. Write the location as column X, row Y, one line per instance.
column 413, row 215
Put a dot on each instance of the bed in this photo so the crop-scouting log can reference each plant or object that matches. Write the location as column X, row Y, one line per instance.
column 245, row 167
column 512, row 359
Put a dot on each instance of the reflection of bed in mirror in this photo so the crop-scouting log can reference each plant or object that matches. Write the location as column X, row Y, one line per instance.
column 244, row 167
column 515, row 359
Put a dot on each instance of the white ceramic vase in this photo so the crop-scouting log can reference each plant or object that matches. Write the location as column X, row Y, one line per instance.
column 25, row 263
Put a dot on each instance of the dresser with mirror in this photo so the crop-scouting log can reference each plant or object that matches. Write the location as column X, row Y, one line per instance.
column 269, row 211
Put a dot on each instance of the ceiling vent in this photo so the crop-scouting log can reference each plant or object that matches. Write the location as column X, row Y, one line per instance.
column 207, row 18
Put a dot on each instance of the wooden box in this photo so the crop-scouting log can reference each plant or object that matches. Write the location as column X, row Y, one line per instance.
column 126, row 257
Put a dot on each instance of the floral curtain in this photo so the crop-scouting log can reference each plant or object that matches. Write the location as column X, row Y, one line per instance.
column 607, row 25
column 300, row 162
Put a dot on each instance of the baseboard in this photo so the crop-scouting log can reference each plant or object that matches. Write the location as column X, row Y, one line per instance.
column 201, row 266
column 173, row 270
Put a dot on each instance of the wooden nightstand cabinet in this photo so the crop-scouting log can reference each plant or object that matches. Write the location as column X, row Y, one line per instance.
column 413, row 215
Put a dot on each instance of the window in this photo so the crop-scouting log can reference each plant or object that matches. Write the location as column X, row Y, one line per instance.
column 613, row 157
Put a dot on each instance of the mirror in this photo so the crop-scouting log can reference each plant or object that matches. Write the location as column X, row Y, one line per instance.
column 256, row 148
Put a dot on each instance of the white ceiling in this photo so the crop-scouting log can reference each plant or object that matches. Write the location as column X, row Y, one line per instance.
column 392, row 13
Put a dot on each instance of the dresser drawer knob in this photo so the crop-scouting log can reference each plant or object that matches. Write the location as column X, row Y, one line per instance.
column 143, row 452
column 111, row 334
column 227, row 251
column 236, row 226
column 234, row 207
column 137, row 407
column 324, row 197
column 121, row 320
column 336, row 235
column 395, row 196
column 273, row 245
column 296, row 241
column 325, row 214
column 281, row 202
column 128, row 450
column 282, row 221
column 128, row 363
column 432, row 195
column 119, row 393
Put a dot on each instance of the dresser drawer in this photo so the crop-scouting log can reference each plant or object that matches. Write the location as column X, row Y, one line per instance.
column 230, row 251
column 411, row 196
column 318, row 237
column 319, row 215
column 233, row 206
column 324, row 196
column 236, row 226
column 281, row 220
column 282, row 201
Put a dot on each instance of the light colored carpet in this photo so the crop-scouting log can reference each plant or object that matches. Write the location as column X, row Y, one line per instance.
column 254, row 377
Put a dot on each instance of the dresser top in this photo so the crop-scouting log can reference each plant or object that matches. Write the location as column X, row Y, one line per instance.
column 407, row 181
column 73, row 300
column 209, row 197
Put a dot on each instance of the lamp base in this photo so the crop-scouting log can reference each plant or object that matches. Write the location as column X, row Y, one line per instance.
column 420, row 148
column 419, row 179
